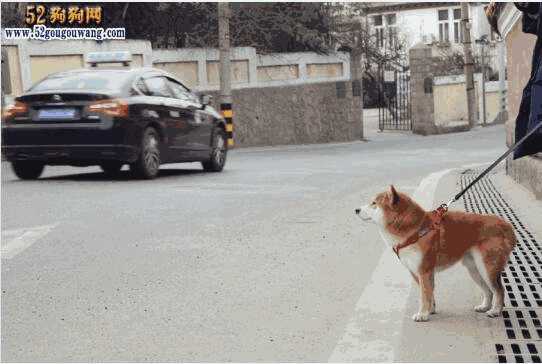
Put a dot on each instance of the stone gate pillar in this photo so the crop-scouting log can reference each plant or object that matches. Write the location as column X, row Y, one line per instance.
column 421, row 83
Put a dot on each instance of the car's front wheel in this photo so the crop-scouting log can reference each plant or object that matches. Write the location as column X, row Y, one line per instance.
column 27, row 169
column 147, row 165
column 219, row 151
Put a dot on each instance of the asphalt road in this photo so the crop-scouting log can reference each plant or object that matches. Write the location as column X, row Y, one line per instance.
column 263, row 262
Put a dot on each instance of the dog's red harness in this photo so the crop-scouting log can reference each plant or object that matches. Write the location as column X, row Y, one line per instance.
column 433, row 223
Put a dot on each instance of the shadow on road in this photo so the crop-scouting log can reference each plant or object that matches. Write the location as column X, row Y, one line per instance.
column 123, row 175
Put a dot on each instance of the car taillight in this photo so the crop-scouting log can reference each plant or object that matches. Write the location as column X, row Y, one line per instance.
column 117, row 108
column 12, row 110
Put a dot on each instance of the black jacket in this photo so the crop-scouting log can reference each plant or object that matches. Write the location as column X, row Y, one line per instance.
column 530, row 109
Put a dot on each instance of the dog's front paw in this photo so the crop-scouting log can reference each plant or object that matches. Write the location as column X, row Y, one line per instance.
column 482, row 308
column 493, row 313
column 421, row 317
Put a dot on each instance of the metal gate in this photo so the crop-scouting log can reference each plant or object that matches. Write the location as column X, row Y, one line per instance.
column 394, row 99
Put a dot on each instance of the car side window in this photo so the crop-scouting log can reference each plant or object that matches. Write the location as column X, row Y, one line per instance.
column 141, row 86
column 181, row 92
column 157, row 86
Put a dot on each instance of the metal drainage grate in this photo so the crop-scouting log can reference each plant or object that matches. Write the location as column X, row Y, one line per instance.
column 521, row 279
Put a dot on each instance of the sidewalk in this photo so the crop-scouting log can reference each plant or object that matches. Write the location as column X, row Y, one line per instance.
column 456, row 332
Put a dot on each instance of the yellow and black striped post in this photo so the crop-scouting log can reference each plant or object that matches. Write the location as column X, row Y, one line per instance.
column 227, row 113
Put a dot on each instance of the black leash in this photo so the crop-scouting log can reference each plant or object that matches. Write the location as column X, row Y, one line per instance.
column 486, row 171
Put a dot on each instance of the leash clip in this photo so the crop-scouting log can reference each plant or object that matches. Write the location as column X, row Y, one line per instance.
column 442, row 209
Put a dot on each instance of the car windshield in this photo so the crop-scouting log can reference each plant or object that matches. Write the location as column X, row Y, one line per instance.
column 110, row 80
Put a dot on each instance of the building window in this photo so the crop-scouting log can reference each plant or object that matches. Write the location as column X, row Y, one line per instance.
column 457, row 14
column 385, row 30
column 380, row 37
column 457, row 25
column 443, row 26
column 392, row 36
column 391, row 19
column 444, row 32
column 391, row 22
column 379, row 30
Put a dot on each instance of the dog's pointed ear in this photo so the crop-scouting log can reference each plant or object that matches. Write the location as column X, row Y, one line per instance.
column 394, row 196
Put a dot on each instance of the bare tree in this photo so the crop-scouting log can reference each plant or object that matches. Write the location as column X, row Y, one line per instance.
column 269, row 27
column 351, row 30
column 13, row 14
column 350, row 27
column 451, row 61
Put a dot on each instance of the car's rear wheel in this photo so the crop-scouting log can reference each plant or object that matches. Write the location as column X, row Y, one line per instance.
column 111, row 168
column 147, row 165
column 27, row 169
column 219, row 151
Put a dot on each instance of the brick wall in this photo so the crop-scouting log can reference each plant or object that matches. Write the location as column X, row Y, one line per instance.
column 300, row 114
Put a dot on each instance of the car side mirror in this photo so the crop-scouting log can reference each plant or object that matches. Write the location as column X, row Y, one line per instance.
column 206, row 100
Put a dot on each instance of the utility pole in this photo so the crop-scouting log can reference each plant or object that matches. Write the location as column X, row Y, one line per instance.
column 483, row 42
column 483, row 84
column 224, row 15
column 469, row 64
column 356, row 76
column 356, row 73
column 502, row 82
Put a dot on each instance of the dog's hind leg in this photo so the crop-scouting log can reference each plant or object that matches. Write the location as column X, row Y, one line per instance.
column 487, row 294
column 490, row 266
column 496, row 257
column 494, row 270
column 498, row 295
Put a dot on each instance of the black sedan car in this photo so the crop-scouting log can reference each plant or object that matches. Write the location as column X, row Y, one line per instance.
column 143, row 117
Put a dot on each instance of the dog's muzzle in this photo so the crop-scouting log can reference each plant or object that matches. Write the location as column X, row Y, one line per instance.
column 363, row 217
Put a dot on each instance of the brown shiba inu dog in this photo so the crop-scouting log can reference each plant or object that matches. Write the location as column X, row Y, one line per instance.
column 481, row 242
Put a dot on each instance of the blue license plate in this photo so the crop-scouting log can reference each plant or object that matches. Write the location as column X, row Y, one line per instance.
column 56, row 114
